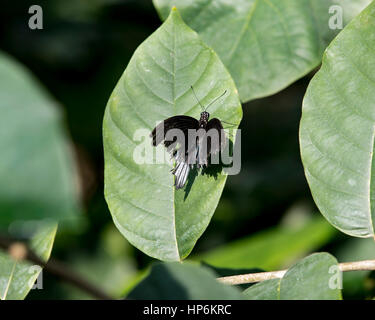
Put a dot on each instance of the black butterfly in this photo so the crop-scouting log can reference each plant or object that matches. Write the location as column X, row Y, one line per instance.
column 193, row 154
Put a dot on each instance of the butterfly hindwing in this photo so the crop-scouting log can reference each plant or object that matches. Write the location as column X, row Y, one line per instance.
column 181, row 172
column 213, row 147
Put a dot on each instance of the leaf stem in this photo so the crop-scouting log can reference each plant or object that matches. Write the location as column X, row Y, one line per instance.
column 365, row 265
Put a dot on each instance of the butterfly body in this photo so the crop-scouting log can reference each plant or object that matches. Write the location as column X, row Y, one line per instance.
column 203, row 121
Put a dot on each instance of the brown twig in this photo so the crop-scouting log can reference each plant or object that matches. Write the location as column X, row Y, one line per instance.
column 56, row 268
column 365, row 265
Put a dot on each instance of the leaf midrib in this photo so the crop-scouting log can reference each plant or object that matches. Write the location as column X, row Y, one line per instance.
column 243, row 30
column 9, row 281
column 174, row 106
column 370, row 180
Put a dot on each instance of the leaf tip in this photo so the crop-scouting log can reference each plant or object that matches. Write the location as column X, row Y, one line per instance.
column 174, row 12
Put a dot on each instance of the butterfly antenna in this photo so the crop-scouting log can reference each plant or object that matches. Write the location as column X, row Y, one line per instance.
column 196, row 97
column 216, row 99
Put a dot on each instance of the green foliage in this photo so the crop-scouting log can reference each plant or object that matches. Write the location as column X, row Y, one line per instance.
column 271, row 249
column 337, row 129
column 180, row 281
column 36, row 165
column 146, row 208
column 18, row 277
column 38, row 176
column 265, row 44
column 315, row 277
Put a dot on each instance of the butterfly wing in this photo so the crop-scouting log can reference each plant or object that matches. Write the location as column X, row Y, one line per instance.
column 183, row 123
column 214, row 148
column 181, row 172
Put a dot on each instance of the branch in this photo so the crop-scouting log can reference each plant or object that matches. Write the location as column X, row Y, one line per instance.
column 365, row 265
column 21, row 251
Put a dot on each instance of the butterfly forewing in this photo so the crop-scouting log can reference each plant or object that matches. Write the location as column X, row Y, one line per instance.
column 183, row 123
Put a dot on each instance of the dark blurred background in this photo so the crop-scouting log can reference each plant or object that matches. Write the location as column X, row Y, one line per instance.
column 79, row 56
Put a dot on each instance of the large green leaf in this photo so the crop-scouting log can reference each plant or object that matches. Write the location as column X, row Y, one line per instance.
column 272, row 248
column 18, row 277
column 37, row 174
column 146, row 208
column 265, row 44
column 316, row 277
column 338, row 128
column 176, row 281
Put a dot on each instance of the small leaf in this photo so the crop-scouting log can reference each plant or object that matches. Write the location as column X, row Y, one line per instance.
column 146, row 208
column 316, row 277
column 18, row 277
column 265, row 44
column 176, row 281
column 337, row 129
column 38, row 177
